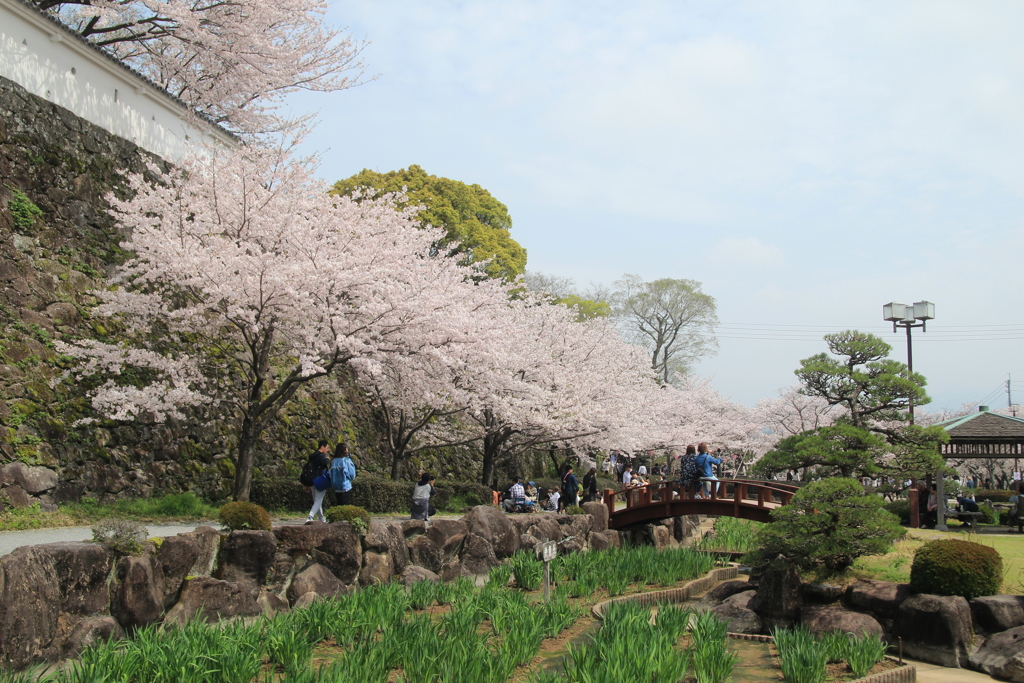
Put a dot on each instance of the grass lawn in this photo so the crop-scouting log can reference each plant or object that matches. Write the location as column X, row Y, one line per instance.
column 895, row 566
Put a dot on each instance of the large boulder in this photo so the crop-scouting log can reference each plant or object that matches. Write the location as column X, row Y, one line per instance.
column 282, row 570
column 599, row 515
column 317, row 579
column 443, row 530
column 724, row 590
column 33, row 480
column 477, row 555
column 491, row 525
column 215, row 598
column 736, row 613
column 996, row 613
column 91, row 631
column 45, row 590
column 386, row 537
column 413, row 527
column 778, row 595
column 881, row 598
column 376, row 569
column 1002, row 655
column 17, row 497
column 822, row 619
column 271, row 603
column 425, row 553
column 174, row 559
column 245, row 557
column 135, row 599
column 580, row 526
column 414, row 574
column 208, row 540
column 301, row 537
column 546, row 529
column 821, row 593
column 935, row 628
column 660, row 536
column 597, row 541
column 340, row 551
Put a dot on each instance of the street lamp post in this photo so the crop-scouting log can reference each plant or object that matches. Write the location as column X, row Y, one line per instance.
column 908, row 317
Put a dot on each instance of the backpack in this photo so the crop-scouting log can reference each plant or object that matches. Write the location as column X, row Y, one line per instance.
column 342, row 470
column 310, row 471
column 689, row 472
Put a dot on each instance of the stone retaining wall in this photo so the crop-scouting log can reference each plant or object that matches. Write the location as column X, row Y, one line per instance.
column 57, row 598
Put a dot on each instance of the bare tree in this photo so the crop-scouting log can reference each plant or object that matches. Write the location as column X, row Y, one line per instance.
column 674, row 319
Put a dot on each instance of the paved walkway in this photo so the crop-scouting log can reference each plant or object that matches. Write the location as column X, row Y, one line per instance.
column 933, row 673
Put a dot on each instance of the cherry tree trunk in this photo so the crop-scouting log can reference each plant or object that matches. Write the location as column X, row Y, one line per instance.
column 246, row 460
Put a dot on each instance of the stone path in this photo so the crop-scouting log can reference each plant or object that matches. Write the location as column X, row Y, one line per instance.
column 933, row 673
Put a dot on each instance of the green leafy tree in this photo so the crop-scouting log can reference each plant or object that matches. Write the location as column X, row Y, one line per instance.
column 674, row 319
column 477, row 224
column 829, row 523
column 873, row 436
column 586, row 308
column 864, row 380
column 841, row 450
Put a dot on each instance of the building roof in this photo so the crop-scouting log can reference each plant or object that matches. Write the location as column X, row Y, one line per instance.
column 984, row 434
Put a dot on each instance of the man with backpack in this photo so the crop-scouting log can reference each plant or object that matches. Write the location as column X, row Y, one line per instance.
column 343, row 471
column 314, row 477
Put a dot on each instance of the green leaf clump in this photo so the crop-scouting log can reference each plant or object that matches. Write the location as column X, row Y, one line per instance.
column 829, row 523
column 954, row 567
column 242, row 515
column 353, row 514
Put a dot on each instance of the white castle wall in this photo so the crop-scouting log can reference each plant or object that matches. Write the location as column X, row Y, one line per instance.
column 53, row 64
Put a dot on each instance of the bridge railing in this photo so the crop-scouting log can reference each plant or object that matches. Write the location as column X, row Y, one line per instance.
column 748, row 492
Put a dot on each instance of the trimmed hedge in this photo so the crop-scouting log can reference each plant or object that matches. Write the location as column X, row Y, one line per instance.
column 241, row 515
column 988, row 514
column 900, row 508
column 352, row 514
column 280, row 493
column 994, row 495
column 374, row 494
column 952, row 567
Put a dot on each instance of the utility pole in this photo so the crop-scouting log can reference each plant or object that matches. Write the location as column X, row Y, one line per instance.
column 1009, row 397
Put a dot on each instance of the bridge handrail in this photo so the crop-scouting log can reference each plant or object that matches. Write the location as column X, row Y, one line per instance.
column 642, row 496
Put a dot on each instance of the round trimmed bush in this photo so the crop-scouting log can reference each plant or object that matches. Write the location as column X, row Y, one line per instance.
column 242, row 515
column 575, row 510
column 988, row 514
column 952, row 567
column 353, row 514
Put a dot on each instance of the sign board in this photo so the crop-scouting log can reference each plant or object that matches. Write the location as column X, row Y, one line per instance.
column 546, row 551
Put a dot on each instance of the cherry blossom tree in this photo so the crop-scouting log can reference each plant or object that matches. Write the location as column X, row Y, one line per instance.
column 791, row 412
column 248, row 282
column 230, row 62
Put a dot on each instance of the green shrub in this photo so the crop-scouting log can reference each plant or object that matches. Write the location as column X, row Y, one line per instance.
column 280, row 493
column 353, row 514
column 377, row 494
column 120, row 536
column 900, row 508
column 575, row 510
column 455, row 495
column 988, row 514
column 993, row 495
column 242, row 515
column 952, row 567
column 23, row 211
column 828, row 523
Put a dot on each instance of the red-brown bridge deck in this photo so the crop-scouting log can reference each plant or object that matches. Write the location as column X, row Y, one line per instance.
column 744, row 498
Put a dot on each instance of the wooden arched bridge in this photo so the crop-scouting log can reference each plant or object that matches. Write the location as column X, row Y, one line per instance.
column 744, row 498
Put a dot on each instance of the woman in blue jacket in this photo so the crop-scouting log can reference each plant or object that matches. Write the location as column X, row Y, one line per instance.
column 704, row 463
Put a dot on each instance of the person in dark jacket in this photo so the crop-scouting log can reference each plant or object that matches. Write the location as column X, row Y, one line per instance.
column 590, row 486
column 323, row 463
column 569, row 489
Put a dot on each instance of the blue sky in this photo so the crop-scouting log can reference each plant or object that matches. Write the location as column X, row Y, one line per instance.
column 806, row 161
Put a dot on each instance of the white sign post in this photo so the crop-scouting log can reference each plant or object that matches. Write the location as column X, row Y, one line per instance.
column 546, row 552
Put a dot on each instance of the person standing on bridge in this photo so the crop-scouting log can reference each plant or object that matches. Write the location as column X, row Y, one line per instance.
column 705, row 461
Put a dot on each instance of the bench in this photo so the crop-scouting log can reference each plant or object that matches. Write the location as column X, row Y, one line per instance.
column 971, row 518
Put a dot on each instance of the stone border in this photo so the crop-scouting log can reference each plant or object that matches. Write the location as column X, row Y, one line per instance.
column 905, row 674
column 681, row 594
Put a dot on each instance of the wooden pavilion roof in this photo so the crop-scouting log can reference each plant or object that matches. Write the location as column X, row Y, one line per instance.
column 984, row 434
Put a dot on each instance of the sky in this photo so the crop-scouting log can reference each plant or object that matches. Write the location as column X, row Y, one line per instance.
column 807, row 162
